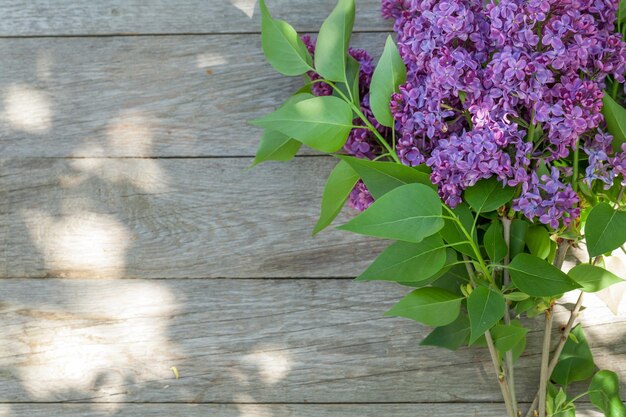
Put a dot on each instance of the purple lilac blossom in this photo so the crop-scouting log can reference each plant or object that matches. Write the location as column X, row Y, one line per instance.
column 479, row 75
column 360, row 198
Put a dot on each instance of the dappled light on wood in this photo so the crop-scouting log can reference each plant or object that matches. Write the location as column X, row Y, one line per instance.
column 247, row 408
column 79, row 244
column 272, row 364
column 208, row 60
column 125, row 341
column 246, row 6
column 27, row 109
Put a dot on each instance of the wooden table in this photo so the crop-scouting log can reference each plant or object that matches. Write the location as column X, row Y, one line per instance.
column 135, row 243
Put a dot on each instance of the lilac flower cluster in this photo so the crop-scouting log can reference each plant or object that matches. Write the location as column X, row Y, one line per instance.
column 504, row 88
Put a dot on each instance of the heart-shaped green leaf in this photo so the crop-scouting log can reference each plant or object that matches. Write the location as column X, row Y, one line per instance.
column 576, row 361
column 282, row 46
column 508, row 337
column 593, row 278
column 538, row 278
column 322, row 123
column 518, row 236
column 430, row 306
column 389, row 74
column 276, row 146
column 538, row 241
column 488, row 195
column 605, row 229
column 604, row 394
column 331, row 50
column 485, row 308
column 409, row 213
column 452, row 336
column 380, row 177
column 494, row 242
column 408, row 262
column 338, row 187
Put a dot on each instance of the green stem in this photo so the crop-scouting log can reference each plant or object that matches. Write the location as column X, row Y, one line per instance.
column 614, row 89
column 470, row 240
column 576, row 163
column 365, row 120
column 545, row 357
column 508, row 357
column 531, row 129
column 501, row 375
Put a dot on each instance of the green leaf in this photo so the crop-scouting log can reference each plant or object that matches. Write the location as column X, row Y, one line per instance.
column 605, row 229
column 518, row 236
column 430, row 306
column 282, row 46
column 452, row 232
column 488, row 195
column 485, row 308
column 452, row 279
column 451, row 258
column 331, row 50
column 494, row 242
column 519, row 348
column 338, row 187
column 538, row 241
column 409, row 213
column 408, row 262
column 593, row 278
column 516, row 296
column 381, row 177
column 452, row 336
column 576, row 361
column 508, row 337
column 389, row 74
column 615, row 117
column 276, row 146
column 569, row 411
column 621, row 12
column 604, row 394
column 322, row 123
column 538, row 278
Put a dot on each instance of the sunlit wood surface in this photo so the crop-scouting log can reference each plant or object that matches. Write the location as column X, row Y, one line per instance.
column 136, row 246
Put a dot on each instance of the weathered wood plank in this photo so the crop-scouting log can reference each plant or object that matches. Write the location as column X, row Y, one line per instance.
column 138, row 96
column 250, row 341
column 170, row 218
column 263, row 410
column 63, row 17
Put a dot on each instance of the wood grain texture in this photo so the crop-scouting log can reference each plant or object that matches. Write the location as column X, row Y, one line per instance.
column 245, row 341
column 263, row 410
column 139, row 96
column 171, row 218
column 107, row 17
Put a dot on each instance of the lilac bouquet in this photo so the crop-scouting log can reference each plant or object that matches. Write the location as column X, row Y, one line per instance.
column 487, row 141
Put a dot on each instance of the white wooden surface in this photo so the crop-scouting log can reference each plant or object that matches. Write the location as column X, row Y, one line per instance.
column 134, row 240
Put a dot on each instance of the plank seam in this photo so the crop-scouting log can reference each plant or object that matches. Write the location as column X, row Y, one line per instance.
column 136, row 35
column 271, row 403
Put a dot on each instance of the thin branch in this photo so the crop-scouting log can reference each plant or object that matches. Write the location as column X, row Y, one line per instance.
column 508, row 356
column 546, row 368
column 502, row 380
column 545, row 357
column 559, row 348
